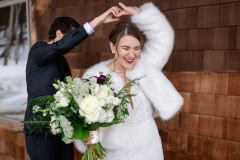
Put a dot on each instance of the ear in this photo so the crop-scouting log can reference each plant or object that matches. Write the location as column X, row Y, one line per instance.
column 59, row 35
column 113, row 48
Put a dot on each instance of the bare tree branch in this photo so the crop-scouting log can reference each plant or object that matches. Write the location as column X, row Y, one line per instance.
column 9, row 36
column 17, row 14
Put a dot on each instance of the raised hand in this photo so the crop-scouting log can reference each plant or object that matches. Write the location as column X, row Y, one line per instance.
column 128, row 10
column 110, row 15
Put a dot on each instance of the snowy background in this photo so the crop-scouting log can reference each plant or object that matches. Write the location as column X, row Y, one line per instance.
column 13, row 92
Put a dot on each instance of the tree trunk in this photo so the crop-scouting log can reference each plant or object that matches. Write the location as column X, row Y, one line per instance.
column 9, row 36
column 17, row 14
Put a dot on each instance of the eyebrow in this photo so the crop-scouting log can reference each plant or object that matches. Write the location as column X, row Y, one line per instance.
column 128, row 47
column 138, row 47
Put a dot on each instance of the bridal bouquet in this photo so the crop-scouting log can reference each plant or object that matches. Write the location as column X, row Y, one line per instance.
column 80, row 106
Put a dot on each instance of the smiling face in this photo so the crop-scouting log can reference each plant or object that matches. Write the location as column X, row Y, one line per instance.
column 127, row 52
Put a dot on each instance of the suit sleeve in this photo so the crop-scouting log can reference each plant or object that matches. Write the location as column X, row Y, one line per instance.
column 43, row 54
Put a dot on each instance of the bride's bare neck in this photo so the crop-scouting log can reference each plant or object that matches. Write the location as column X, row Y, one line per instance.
column 119, row 70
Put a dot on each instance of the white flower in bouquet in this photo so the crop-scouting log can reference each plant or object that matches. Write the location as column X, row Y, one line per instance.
column 111, row 100
column 116, row 101
column 90, row 108
column 54, row 124
column 110, row 115
column 95, row 89
column 102, row 102
column 36, row 108
column 61, row 98
column 80, row 87
column 103, row 116
column 103, row 92
column 58, row 95
column 106, row 116
column 56, row 86
column 93, row 79
column 80, row 90
column 67, row 129
column 64, row 102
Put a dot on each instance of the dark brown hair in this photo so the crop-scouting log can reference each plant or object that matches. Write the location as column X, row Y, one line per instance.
column 125, row 28
column 64, row 24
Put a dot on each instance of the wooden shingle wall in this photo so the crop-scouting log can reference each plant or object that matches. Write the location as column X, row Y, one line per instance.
column 204, row 67
column 12, row 147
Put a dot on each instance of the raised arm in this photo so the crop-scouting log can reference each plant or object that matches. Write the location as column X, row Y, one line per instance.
column 47, row 53
column 159, row 33
column 160, row 36
column 42, row 53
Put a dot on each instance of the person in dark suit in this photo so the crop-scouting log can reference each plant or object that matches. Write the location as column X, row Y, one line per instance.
column 46, row 63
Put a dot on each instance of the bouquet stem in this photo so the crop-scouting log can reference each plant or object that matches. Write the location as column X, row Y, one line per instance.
column 94, row 151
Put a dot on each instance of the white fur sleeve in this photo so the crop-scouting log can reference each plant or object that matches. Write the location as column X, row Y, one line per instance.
column 157, row 49
column 163, row 95
column 159, row 35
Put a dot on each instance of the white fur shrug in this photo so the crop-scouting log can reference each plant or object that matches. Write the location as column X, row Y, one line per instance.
column 156, row 51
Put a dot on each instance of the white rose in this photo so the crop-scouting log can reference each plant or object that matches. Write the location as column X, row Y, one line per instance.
column 64, row 102
column 116, row 101
column 103, row 92
column 90, row 108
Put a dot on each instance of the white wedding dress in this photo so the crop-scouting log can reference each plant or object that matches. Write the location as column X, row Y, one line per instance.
column 138, row 138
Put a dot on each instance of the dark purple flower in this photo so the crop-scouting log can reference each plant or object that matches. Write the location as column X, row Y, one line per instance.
column 101, row 79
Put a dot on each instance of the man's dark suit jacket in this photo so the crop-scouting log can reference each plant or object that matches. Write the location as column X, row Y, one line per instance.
column 46, row 63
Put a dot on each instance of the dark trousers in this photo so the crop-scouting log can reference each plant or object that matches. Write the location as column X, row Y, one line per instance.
column 49, row 148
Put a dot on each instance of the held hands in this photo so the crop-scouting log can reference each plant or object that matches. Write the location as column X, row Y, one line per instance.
column 127, row 10
column 113, row 14
column 110, row 15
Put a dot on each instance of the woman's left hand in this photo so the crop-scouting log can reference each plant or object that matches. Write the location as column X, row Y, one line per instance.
column 128, row 10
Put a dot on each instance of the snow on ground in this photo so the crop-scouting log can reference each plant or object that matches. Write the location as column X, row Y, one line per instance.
column 13, row 93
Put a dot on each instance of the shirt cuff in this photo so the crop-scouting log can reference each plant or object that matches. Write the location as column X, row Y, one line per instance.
column 88, row 28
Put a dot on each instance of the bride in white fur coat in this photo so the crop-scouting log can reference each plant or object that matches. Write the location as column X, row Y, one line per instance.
column 138, row 138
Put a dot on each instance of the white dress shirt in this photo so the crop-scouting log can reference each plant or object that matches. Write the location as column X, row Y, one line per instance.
column 88, row 28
